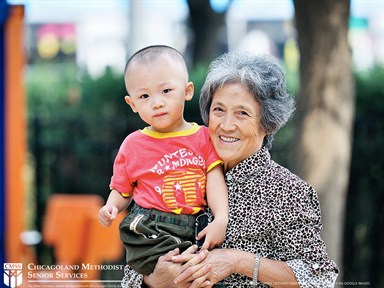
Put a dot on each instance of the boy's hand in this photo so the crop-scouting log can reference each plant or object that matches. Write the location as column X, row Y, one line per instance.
column 214, row 234
column 107, row 214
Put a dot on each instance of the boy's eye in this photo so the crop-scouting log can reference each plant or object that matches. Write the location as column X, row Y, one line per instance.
column 144, row 96
column 165, row 91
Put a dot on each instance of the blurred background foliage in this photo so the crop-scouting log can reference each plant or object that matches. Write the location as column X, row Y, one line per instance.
column 364, row 237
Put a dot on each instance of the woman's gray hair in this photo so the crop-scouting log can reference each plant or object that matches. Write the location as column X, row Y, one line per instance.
column 263, row 76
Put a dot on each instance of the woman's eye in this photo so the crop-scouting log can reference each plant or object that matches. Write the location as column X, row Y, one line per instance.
column 217, row 109
column 242, row 113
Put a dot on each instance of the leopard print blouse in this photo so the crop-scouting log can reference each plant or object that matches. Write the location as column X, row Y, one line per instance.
column 276, row 214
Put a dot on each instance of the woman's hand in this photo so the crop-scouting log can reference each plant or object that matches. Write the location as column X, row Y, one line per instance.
column 166, row 270
column 221, row 261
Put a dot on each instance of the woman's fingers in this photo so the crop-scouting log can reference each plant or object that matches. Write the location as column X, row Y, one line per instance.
column 201, row 283
column 202, row 277
column 197, row 274
column 191, row 250
column 208, row 278
column 170, row 255
column 186, row 255
column 165, row 271
column 193, row 268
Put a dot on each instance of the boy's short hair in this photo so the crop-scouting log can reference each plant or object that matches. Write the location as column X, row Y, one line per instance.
column 150, row 53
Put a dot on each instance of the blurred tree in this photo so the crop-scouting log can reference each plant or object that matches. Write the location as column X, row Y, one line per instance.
column 325, row 110
column 364, row 234
column 209, row 35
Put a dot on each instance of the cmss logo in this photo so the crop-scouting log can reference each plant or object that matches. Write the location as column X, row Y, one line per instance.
column 13, row 276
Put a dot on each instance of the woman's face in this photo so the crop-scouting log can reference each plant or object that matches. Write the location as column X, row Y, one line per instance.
column 234, row 124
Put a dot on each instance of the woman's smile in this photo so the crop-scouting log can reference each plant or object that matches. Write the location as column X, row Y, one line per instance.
column 234, row 113
column 228, row 139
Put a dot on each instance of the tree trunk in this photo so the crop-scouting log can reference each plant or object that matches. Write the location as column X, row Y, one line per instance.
column 209, row 36
column 325, row 110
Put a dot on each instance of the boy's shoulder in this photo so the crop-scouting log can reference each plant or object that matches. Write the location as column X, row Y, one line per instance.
column 132, row 137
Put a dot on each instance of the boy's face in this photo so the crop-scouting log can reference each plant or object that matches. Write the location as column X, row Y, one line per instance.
column 158, row 91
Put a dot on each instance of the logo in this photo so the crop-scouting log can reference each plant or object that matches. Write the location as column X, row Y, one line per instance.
column 13, row 276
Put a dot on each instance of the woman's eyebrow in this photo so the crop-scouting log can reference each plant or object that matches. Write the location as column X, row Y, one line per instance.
column 243, row 107
column 217, row 103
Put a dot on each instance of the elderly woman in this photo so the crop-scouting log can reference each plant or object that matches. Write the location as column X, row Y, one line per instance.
column 273, row 235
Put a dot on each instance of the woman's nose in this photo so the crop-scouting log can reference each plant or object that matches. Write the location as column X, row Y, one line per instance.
column 227, row 122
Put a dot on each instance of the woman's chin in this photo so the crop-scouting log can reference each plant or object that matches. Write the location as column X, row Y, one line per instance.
column 226, row 155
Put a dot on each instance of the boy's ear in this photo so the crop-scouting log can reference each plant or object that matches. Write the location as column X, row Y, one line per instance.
column 189, row 90
column 129, row 101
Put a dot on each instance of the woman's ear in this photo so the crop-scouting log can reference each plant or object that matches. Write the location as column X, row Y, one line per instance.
column 129, row 101
column 189, row 90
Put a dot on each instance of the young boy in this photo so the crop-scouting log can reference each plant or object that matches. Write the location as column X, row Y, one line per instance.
column 167, row 168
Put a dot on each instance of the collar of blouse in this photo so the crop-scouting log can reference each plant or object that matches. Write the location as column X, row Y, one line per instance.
column 250, row 166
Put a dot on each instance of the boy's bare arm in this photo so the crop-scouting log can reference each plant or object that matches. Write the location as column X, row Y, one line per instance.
column 217, row 197
column 115, row 204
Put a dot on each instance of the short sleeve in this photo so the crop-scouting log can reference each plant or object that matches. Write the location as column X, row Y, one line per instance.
column 120, row 179
column 212, row 159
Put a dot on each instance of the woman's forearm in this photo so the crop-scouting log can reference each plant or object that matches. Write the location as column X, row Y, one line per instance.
column 272, row 272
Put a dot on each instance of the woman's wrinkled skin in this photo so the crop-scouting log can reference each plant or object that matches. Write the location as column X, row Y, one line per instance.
column 187, row 268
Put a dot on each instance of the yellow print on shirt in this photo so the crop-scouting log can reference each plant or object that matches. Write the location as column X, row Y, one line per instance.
column 177, row 160
column 186, row 188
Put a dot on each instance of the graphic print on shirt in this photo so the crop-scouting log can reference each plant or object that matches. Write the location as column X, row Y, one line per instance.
column 183, row 186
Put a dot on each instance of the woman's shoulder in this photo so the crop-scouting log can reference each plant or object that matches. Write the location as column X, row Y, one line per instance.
column 293, row 188
column 284, row 175
column 294, row 197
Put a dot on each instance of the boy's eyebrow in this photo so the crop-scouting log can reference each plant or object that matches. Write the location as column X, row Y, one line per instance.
column 140, row 90
column 166, row 83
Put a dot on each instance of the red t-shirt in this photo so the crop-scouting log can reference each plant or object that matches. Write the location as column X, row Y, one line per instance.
column 165, row 171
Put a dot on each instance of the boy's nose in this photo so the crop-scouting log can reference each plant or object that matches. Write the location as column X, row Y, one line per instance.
column 157, row 103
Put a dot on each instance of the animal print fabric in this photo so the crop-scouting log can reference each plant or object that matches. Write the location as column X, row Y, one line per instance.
column 276, row 214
